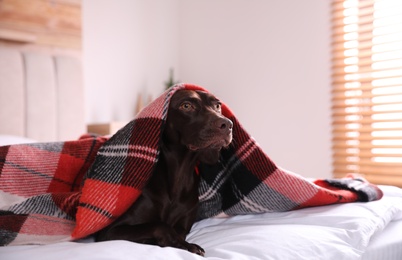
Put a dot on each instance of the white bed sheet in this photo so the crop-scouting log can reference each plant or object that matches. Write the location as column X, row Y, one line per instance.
column 386, row 245
column 13, row 139
column 328, row 232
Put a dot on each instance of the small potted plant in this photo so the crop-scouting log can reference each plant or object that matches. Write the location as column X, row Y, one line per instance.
column 171, row 80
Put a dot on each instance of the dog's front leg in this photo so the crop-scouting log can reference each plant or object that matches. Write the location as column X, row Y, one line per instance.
column 150, row 233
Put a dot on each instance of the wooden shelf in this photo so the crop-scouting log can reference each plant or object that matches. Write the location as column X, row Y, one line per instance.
column 17, row 36
column 54, row 23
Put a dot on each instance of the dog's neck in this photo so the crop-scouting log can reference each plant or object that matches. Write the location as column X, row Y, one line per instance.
column 180, row 165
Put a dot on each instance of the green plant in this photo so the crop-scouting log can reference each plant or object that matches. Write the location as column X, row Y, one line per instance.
column 171, row 80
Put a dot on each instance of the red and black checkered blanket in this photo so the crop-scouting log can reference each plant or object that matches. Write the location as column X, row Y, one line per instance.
column 52, row 192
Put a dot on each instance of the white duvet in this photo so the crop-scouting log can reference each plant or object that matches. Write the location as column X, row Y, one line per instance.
column 328, row 232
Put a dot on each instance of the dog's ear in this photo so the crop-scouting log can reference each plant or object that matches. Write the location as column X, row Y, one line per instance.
column 209, row 156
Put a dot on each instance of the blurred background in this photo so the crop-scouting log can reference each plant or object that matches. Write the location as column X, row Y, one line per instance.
column 268, row 60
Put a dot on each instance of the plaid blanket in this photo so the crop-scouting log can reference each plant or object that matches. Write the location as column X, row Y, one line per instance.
column 52, row 192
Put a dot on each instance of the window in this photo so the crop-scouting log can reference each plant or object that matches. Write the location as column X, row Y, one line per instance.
column 367, row 89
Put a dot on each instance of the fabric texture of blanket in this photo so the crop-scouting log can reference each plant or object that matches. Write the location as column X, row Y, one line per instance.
column 51, row 192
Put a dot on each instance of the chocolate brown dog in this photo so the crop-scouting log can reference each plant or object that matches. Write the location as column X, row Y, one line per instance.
column 195, row 131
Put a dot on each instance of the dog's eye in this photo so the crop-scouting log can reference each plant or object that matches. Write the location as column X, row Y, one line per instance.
column 218, row 106
column 186, row 106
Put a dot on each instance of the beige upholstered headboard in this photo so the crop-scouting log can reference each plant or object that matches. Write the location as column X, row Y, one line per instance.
column 41, row 94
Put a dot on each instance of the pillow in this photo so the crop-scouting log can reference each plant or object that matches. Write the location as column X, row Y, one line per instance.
column 13, row 139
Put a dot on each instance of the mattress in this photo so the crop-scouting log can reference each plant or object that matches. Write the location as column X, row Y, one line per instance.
column 344, row 231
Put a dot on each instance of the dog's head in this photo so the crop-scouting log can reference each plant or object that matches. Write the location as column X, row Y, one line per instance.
column 195, row 121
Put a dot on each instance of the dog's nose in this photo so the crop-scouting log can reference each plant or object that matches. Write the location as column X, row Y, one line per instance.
column 224, row 123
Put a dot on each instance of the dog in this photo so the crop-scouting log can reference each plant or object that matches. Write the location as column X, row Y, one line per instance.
column 195, row 131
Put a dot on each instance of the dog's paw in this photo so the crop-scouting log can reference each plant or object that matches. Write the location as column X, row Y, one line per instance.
column 196, row 249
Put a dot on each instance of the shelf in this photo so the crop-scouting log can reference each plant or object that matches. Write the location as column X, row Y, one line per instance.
column 17, row 36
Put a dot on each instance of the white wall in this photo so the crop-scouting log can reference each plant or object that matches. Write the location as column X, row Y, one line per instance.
column 128, row 48
column 269, row 60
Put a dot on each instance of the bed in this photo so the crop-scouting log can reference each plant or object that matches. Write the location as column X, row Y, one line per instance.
column 38, row 81
column 34, row 83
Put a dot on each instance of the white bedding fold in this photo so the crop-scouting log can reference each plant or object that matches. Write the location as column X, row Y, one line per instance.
column 337, row 231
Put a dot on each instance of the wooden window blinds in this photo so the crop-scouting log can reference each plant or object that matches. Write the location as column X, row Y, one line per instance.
column 367, row 89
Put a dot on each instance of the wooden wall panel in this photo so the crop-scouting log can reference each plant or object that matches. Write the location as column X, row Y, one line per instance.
column 43, row 22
